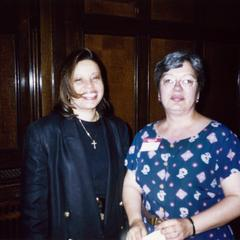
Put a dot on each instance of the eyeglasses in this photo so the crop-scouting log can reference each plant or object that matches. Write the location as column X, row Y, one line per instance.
column 185, row 83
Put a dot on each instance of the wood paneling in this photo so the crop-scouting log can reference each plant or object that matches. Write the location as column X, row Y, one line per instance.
column 16, row 80
column 217, row 14
column 159, row 48
column 118, row 56
column 220, row 97
column 8, row 91
column 47, row 84
column 117, row 8
column 173, row 10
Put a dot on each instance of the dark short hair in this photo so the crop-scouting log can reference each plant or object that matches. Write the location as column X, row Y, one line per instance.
column 66, row 91
column 175, row 60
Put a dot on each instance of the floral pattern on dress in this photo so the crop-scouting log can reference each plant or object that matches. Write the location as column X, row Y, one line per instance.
column 182, row 179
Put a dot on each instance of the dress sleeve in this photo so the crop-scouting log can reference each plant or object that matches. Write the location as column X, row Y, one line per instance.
column 131, row 159
column 34, row 186
column 229, row 155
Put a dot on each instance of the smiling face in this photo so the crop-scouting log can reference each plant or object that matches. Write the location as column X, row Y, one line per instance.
column 178, row 89
column 87, row 82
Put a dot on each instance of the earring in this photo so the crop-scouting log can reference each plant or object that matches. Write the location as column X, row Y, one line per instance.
column 197, row 100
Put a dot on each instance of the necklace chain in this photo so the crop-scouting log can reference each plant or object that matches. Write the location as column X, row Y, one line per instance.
column 94, row 143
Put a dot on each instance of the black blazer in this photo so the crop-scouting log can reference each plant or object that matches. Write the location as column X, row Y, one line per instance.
column 58, row 195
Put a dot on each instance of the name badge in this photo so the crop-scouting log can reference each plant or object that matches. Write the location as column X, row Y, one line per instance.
column 150, row 144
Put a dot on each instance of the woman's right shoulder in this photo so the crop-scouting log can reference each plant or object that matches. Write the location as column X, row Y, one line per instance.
column 146, row 131
column 46, row 123
column 148, row 127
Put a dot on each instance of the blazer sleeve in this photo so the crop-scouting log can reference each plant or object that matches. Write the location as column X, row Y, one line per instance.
column 34, row 186
column 125, row 140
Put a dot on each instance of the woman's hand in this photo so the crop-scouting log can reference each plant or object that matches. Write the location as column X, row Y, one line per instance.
column 175, row 229
column 137, row 231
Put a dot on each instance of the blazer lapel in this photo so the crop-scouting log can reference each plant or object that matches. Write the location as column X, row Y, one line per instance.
column 112, row 170
column 73, row 147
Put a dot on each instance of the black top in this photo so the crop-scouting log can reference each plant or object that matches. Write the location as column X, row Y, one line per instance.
column 97, row 158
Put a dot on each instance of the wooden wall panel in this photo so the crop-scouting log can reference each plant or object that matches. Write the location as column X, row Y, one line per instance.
column 16, row 81
column 46, row 45
column 159, row 48
column 8, row 90
column 219, row 98
column 117, row 8
column 220, row 14
column 117, row 54
column 173, row 10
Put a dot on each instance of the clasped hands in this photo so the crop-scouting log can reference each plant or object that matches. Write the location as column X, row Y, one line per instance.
column 172, row 229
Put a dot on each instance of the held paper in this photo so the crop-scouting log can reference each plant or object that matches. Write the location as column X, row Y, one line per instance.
column 156, row 235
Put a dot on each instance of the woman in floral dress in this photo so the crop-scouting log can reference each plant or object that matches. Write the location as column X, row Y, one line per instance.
column 183, row 171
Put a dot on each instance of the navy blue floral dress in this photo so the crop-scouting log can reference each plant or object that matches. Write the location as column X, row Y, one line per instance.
column 182, row 179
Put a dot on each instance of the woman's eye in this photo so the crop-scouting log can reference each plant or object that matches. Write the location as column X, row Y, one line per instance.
column 96, row 78
column 168, row 81
column 185, row 81
column 78, row 80
column 188, row 81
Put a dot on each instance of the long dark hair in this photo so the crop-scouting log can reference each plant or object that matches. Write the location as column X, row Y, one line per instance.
column 66, row 91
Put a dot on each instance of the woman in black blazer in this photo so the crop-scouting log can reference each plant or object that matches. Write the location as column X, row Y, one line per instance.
column 73, row 161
